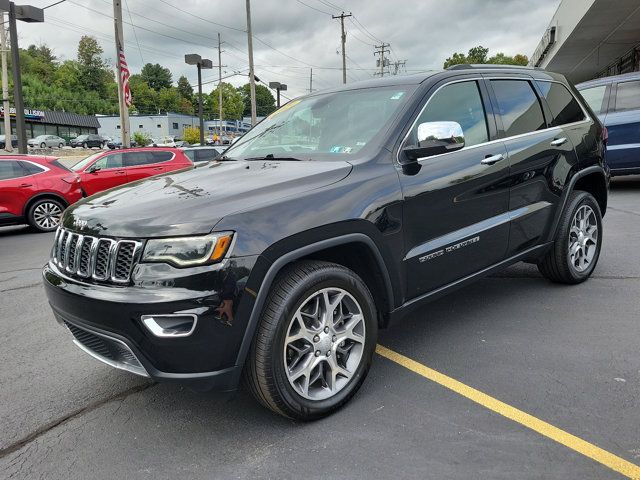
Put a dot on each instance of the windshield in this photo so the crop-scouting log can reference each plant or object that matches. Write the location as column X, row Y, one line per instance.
column 81, row 137
column 329, row 126
column 84, row 162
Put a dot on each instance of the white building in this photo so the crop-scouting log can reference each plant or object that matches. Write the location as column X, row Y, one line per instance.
column 591, row 38
column 167, row 124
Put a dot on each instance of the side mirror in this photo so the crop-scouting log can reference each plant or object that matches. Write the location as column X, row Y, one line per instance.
column 435, row 138
column 93, row 168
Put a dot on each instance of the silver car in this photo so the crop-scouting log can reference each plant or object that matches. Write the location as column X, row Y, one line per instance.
column 44, row 141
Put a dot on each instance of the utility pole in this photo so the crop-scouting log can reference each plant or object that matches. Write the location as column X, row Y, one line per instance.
column 381, row 50
column 124, row 110
column 311, row 80
column 342, row 16
column 8, row 144
column 220, row 86
column 252, row 79
column 397, row 65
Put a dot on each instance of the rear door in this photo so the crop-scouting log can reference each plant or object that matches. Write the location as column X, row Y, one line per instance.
column 108, row 172
column 541, row 153
column 146, row 163
column 623, row 123
column 455, row 204
column 17, row 186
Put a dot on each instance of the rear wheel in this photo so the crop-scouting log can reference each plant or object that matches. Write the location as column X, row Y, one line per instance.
column 315, row 341
column 43, row 145
column 44, row 215
column 85, row 145
column 576, row 250
column 60, row 145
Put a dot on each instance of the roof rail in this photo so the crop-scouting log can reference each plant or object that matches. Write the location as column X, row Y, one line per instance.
column 469, row 66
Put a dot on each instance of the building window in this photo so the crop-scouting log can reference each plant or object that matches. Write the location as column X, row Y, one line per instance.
column 175, row 126
column 118, row 127
column 159, row 126
column 140, row 126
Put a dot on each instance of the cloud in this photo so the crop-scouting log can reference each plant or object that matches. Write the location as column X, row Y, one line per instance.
column 291, row 37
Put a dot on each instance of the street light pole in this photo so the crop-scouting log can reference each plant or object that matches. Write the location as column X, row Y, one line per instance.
column 8, row 142
column 220, row 86
column 125, row 127
column 200, row 103
column 278, row 87
column 21, row 128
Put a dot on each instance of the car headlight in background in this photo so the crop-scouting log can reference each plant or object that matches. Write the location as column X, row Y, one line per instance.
column 188, row 251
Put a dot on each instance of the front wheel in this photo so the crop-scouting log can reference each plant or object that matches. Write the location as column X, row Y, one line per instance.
column 44, row 215
column 85, row 145
column 61, row 145
column 315, row 341
column 576, row 249
column 43, row 145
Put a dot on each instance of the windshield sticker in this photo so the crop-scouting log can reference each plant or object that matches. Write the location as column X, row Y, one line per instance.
column 397, row 96
column 340, row 149
column 284, row 108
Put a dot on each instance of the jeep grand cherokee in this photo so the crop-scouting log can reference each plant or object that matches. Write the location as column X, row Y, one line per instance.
column 341, row 212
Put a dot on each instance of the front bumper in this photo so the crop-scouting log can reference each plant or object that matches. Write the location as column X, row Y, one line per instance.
column 105, row 320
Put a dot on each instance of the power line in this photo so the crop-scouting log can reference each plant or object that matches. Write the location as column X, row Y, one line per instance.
column 134, row 30
column 313, row 8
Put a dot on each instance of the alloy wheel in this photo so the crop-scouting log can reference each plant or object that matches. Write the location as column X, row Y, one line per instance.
column 47, row 215
column 324, row 343
column 583, row 238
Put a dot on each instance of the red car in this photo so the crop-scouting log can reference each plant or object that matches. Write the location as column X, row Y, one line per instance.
column 109, row 169
column 35, row 190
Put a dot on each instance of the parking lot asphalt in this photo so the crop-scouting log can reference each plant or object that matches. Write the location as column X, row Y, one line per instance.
column 565, row 355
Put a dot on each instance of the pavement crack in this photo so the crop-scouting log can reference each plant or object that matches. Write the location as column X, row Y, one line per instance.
column 22, row 270
column 623, row 211
column 70, row 416
column 39, row 284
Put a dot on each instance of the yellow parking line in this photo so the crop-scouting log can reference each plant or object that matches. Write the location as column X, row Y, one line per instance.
column 587, row 449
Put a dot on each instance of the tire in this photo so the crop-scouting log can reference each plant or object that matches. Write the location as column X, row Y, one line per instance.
column 44, row 215
column 85, row 145
column 60, row 145
column 43, row 145
column 559, row 265
column 293, row 292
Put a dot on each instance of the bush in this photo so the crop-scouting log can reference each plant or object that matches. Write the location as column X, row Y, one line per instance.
column 191, row 135
column 141, row 139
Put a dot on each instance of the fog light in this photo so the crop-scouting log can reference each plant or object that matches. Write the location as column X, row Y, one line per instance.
column 170, row 325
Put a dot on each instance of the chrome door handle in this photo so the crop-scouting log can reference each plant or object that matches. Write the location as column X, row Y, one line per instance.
column 492, row 159
column 558, row 141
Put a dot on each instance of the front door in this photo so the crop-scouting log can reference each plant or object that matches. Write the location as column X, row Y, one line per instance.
column 455, row 204
column 106, row 172
column 623, row 124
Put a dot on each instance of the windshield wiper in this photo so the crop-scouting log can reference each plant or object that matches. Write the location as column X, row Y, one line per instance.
column 271, row 156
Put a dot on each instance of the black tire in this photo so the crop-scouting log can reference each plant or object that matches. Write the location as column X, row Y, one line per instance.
column 85, row 145
column 556, row 265
column 36, row 223
column 60, row 145
column 264, row 372
column 43, row 145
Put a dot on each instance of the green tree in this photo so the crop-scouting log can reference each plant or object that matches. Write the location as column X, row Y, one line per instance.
column 232, row 103
column 191, row 135
column 94, row 72
column 265, row 101
column 145, row 98
column 185, row 89
column 157, row 76
column 480, row 55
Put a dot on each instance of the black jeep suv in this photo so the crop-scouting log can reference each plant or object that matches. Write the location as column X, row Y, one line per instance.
column 341, row 212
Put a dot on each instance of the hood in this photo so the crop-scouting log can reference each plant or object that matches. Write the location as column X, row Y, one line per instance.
column 193, row 201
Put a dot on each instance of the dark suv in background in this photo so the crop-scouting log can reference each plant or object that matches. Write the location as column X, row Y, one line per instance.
column 338, row 214
column 616, row 101
column 88, row 141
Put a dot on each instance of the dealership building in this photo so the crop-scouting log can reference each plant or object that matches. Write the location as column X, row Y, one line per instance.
column 43, row 122
column 587, row 39
column 168, row 125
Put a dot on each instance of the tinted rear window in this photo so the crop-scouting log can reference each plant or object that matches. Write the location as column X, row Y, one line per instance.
column 157, row 157
column 31, row 168
column 628, row 96
column 563, row 105
column 519, row 107
column 11, row 169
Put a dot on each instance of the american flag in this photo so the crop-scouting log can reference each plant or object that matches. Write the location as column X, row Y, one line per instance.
column 124, row 74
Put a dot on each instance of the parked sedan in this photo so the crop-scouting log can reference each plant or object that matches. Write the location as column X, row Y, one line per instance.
column 35, row 190
column 14, row 141
column 116, row 143
column 104, row 170
column 616, row 101
column 44, row 141
column 88, row 141
column 163, row 142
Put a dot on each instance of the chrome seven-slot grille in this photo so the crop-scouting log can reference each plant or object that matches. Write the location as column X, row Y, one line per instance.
column 96, row 258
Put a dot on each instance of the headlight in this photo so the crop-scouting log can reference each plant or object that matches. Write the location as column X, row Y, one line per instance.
column 188, row 251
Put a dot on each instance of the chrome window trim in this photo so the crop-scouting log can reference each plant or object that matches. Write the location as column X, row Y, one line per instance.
column 490, row 142
column 44, row 169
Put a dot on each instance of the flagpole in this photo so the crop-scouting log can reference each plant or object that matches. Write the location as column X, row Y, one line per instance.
column 124, row 110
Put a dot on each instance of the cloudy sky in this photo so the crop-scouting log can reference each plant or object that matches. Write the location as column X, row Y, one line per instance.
column 291, row 36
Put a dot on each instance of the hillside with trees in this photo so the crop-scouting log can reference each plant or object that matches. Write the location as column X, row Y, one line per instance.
column 87, row 85
column 480, row 54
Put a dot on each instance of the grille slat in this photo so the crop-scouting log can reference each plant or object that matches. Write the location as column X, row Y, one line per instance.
column 101, row 259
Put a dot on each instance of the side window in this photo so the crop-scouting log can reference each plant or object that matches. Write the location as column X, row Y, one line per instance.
column 564, row 107
column 461, row 103
column 519, row 107
column 206, row 154
column 135, row 159
column 158, row 157
column 628, row 96
column 11, row 169
column 110, row 161
column 594, row 97
column 191, row 155
column 30, row 168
